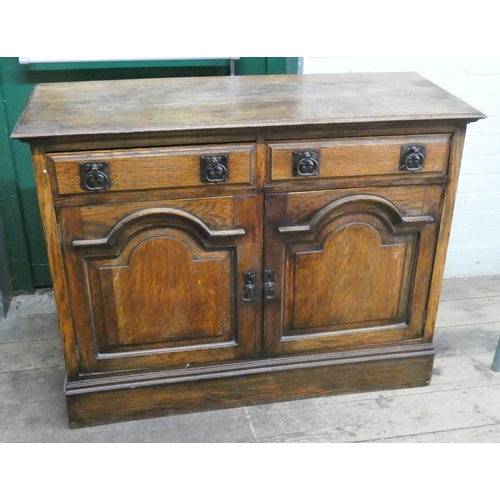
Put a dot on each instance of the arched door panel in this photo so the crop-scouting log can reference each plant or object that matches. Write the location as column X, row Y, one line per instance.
column 163, row 290
column 356, row 273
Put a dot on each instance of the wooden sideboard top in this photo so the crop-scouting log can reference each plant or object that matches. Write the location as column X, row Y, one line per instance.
column 100, row 108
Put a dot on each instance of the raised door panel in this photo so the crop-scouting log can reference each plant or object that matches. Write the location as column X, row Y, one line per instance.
column 163, row 289
column 357, row 264
column 354, row 272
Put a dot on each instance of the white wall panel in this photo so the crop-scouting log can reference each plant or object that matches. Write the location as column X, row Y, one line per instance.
column 475, row 237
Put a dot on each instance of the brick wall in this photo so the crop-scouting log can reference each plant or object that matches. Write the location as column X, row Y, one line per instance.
column 475, row 237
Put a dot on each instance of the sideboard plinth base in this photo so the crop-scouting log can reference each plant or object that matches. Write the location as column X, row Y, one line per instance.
column 96, row 402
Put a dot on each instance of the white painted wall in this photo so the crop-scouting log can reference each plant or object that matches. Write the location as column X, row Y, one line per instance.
column 475, row 236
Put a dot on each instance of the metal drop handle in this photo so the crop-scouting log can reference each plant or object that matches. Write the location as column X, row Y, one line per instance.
column 214, row 169
column 412, row 158
column 305, row 163
column 269, row 284
column 249, row 286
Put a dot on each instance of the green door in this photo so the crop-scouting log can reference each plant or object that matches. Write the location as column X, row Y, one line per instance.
column 24, row 240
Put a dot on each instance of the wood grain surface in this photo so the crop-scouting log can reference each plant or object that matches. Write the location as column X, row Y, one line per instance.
column 185, row 104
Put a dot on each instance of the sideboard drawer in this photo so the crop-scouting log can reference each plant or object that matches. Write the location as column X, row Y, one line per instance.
column 138, row 169
column 362, row 156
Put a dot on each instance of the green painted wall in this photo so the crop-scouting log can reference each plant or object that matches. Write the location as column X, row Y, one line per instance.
column 5, row 280
column 16, row 245
column 24, row 240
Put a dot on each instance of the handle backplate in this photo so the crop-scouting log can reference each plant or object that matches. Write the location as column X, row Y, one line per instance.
column 269, row 284
column 305, row 163
column 412, row 158
column 94, row 176
column 214, row 169
column 249, row 286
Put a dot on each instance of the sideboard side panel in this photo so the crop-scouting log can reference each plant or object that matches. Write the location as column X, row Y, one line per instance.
column 450, row 193
column 54, row 247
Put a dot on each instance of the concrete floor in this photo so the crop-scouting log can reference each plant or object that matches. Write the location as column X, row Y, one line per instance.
column 462, row 404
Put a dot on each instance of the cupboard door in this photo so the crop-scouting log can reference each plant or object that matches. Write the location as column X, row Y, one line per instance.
column 351, row 268
column 162, row 289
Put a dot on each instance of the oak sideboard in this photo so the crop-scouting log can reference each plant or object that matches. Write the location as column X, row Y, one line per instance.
column 226, row 241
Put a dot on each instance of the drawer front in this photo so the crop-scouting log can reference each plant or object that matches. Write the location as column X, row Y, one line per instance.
column 365, row 156
column 138, row 169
